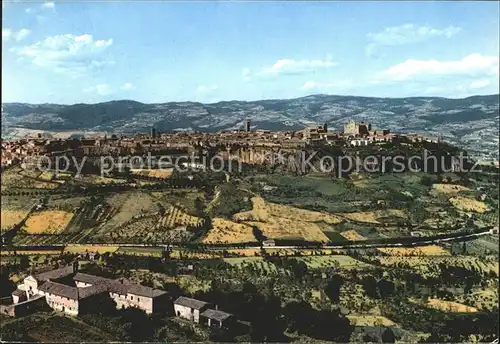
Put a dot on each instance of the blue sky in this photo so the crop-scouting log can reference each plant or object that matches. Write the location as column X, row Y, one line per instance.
column 85, row 52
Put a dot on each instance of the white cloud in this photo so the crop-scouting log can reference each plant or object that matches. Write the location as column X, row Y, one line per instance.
column 479, row 84
column 127, row 86
column 22, row 34
column 290, row 67
column 474, row 65
column 462, row 89
column 406, row 34
column 100, row 89
column 207, row 89
column 28, row 10
column 6, row 33
column 48, row 5
column 246, row 73
column 18, row 36
column 324, row 87
column 69, row 54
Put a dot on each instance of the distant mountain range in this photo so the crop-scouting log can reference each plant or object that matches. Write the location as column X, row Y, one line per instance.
column 470, row 122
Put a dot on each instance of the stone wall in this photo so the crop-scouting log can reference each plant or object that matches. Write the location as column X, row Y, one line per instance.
column 188, row 313
column 62, row 304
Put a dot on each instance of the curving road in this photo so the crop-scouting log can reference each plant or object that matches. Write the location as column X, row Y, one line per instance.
column 404, row 242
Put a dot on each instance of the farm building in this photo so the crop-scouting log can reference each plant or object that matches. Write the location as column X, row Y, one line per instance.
column 73, row 293
column 190, row 309
column 269, row 243
column 199, row 312
column 214, row 317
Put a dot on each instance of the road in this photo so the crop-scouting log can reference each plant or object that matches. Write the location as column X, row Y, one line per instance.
column 346, row 245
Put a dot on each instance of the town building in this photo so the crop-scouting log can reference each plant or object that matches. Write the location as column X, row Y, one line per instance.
column 246, row 125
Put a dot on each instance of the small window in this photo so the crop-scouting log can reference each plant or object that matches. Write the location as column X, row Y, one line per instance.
column 131, row 297
column 138, row 299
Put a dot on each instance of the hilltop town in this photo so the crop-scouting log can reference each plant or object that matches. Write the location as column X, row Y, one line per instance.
column 354, row 134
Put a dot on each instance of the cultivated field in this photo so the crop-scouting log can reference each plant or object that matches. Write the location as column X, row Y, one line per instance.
column 90, row 248
column 278, row 221
column 427, row 265
column 46, row 175
column 226, row 231
column 468, row 204
column 10, row 218
column 47, row 221
column 344, row 262
column 94, row 179
column 154, row 173
column 431, row 250
column 369, row 320
column 174, row 217
column 141, row 251
column 127, row 205
column 450, row 306
column 30, row 252
column 352, row 235
column 257, row 263
column 373, row 216
column 448, row 189
column 18, row 178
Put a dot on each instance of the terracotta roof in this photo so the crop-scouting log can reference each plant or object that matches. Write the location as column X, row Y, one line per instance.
column 142, row 290
column 86, row 278
column 92, row 290
column 54, row 274
column 216, row 314
column 72, row 292
column 191, row 303
column 121, row 286
column 59, row 290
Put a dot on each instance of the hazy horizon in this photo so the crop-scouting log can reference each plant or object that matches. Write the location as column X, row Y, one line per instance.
column 252, row 100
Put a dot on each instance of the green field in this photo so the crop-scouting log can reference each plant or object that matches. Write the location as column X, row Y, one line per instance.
column 345, row 262
column 255, row 263
column 141, row 251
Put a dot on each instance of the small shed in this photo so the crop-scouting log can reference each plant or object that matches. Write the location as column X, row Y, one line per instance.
column 217, row 318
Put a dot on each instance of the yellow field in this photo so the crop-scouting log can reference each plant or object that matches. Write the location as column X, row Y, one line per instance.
column 372, row 216
column 10, row 218
column 33, row 252
column 90, row 248
column 247, row 252
column 431, row 250
column 226, row 231
column 155, row 173
column 278, row 221
column 468, row 204
column 450, row 306
column 369, row 320
column 448, row 189
column 352, row 235
column 45, row 185
column 48, row 221
column 46, row 175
